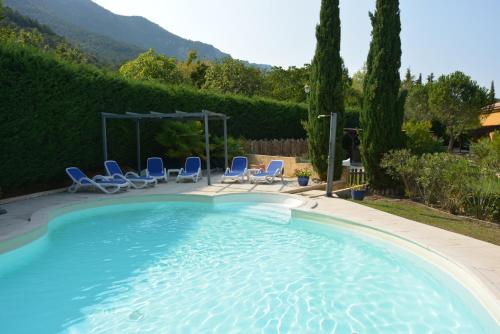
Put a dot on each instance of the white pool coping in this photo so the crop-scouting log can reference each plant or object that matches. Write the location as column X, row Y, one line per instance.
column 301, row 207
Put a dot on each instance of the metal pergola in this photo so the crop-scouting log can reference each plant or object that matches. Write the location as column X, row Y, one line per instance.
column 204, row 116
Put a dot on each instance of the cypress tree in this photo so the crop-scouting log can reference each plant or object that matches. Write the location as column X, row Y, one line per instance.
column 491, row 95
column 326, row 94
column 430, row 78
column 419, row 80
column 382, row 113
column 408, row 81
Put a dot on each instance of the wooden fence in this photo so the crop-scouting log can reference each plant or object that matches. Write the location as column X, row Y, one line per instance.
column 281, row 147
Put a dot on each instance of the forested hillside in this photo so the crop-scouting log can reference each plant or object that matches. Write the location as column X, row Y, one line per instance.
column 112, row 37
column 19, row 29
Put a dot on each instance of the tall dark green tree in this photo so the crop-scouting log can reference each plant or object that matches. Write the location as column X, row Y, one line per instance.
column 408, row 81
column 419, row 80
column 430, row 78
column 382, row 113
column 326, row 90
column 491, row 94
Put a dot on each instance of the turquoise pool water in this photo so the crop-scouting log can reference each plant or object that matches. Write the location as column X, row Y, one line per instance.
column 225, row 268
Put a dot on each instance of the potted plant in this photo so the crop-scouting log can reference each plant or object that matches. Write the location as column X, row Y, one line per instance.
column 358, row 192
column 303, row 176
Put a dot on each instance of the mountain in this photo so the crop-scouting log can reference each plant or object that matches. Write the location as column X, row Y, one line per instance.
column 14, row 20
column 108, row 35
column 18, row 25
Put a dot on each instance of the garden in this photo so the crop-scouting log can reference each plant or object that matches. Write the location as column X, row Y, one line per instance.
column 409, row 128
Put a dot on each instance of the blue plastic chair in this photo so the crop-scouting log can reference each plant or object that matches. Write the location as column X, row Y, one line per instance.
column 156, row 170
column 238, row 170
column 135, row 180
column 80, row 180
column 191, row 170
column 274, row 169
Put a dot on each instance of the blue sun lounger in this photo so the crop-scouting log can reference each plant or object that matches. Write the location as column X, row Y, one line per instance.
column 238, row 170
column 156, row 170
column 105, row 184
column 191, row 170
column 274, row 170
column 133, row 179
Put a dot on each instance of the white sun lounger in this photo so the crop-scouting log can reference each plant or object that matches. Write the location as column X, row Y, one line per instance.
column 191, row 170
column 136, row 181
column 156, row 170
column 274, row 170
column 238, row 170
column 106, row 185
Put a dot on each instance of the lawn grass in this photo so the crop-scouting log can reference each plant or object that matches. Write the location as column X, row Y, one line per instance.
column 422, row 214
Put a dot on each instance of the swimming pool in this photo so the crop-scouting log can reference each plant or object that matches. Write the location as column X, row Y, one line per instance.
column 242, row 267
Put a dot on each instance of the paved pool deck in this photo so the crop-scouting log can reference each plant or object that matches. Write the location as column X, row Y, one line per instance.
column 480, row 258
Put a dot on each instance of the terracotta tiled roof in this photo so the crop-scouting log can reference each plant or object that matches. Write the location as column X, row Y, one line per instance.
column 492, row 107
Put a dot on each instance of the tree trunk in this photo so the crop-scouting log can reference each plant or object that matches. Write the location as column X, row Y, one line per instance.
column 451, row 143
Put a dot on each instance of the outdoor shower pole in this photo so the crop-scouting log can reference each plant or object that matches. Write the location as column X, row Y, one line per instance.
column 104, row 137
column 138, row 143
column 331, row 152
column 226, row 160
column 331, row 155
column 207, row 147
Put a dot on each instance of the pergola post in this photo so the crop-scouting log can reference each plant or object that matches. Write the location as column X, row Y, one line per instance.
column 138, row 143
column 207, row 146
column 226, row 160
column 104, row 137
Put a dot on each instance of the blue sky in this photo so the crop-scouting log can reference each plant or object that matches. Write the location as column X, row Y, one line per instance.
column 438, row 36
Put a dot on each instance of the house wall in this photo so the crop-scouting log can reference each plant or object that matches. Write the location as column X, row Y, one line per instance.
column 291, row 163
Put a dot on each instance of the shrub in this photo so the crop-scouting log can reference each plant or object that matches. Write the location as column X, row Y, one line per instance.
column 235, row 147
column 482, row 198
column 50, row 116
column 419, row 138
column 403, row 166
column 439, row 179
column 182, row 139
column 487, row 151
column 457, row 184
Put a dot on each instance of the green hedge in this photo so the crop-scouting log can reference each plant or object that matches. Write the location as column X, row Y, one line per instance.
column 50, row 117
